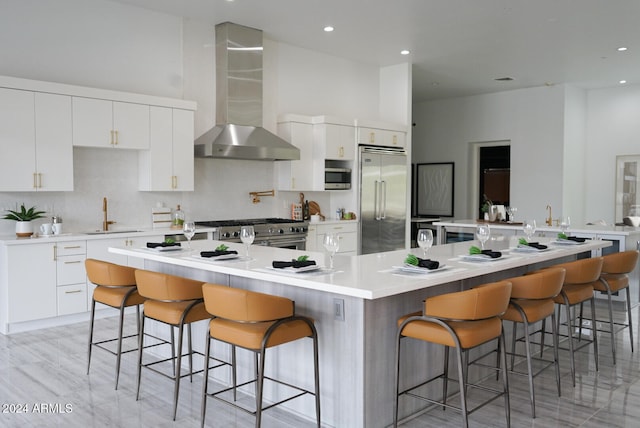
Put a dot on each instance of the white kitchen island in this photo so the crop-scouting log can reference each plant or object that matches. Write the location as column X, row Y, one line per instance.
column 356, row 345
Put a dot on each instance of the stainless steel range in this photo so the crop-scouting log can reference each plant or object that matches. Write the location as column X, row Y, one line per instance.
column 272, row 232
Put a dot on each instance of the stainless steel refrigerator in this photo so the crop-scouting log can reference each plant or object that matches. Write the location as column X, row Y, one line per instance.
column 383, row 199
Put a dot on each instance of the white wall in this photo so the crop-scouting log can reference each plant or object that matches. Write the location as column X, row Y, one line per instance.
column 613, row 129
column 532, row 119
column 109, row 45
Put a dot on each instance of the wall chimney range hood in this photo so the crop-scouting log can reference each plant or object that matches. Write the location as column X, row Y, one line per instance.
column 238, row 133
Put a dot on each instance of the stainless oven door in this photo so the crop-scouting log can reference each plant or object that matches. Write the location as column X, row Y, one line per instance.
column 293, row 243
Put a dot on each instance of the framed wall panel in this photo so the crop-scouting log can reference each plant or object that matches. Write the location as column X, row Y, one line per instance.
column 435, row 191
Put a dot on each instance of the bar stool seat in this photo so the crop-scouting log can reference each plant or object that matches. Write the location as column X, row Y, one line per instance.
column 115, row 287
column 461, row 320
column 578, row 286
column 532, row 301
column 178, row 302
column 614, row 277
column 255, row 321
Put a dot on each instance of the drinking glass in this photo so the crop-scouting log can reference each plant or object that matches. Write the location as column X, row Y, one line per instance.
column 189, row 229
column 425, row 240
column 483, row 232
column 511, row 211
column 331, row 243
column 565, row 222
column 247, row 235
column 529, row 228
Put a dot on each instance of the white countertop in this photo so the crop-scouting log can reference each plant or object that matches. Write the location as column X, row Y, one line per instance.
column 369, row 276
column 84, row 236
column 578, row 229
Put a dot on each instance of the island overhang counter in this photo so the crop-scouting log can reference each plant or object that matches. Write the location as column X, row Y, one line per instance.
column 355, row 308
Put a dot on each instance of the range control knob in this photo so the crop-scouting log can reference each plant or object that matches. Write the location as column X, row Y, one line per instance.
column 292, row 229
column 236, row 234
column 226, row 235
column 281, row 231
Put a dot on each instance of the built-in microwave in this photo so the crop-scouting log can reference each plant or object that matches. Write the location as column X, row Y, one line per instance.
column 337, row 178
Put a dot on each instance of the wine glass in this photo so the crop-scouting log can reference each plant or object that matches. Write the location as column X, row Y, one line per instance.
column 189, row 229
column 511, row 211
column 565, row 222
column 247, row 235
column 425, row 240
column 529, row 228
column 331, row 243
column 483, row 232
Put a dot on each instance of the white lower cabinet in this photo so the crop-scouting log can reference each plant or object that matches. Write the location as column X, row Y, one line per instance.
column 71, row 277
column 347, row 230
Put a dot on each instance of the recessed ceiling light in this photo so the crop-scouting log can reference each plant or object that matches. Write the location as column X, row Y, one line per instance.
column 328, row 28
column 622, row 82
column 622, row 49
column 405, row 52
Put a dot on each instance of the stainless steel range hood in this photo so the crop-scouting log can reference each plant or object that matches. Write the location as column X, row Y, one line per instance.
column 238, row 133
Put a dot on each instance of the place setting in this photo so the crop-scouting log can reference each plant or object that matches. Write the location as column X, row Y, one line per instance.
column 563, row 238
column 415, row 265
column 481, row 254
column 526, row 245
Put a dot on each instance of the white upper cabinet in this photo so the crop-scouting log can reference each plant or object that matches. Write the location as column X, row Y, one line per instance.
column 168, row 165
column 334, row 140
column 106, row 123
column 381, row 137
column 35, row 141
column 298, row 174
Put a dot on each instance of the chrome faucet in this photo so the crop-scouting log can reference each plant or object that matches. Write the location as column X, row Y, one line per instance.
column 549, row 219
column 105, row 222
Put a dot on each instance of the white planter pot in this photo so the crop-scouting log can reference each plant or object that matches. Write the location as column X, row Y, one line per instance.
column 24, row 229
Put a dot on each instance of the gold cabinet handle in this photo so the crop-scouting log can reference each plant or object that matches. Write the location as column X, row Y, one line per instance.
column 395, row 140
column 111, row 140
column 74, row 262
column 73, row 292
column 116, row 141
column 71, row 247
column 341, row 152
column 174, row 182
column 55, row 253
column 372, row 137
column 40, row 180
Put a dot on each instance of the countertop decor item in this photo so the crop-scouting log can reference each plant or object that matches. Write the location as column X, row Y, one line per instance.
column 23, row 218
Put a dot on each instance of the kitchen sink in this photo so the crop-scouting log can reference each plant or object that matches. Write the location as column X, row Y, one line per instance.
column 110, row 232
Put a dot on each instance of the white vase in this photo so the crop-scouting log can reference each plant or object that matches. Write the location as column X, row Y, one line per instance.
column 24, row 229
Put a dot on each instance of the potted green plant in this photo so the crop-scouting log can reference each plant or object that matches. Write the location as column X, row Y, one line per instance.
column 23, row 218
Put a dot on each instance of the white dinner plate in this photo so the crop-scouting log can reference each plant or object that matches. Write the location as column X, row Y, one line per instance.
column 164, row 249
column 528, row 249
column 417, row 269
column 309, row 268
column 566, row 242
column 480, row 258
column 221, row 257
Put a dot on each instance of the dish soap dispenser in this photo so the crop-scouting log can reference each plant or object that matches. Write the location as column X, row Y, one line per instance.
column 177, row 218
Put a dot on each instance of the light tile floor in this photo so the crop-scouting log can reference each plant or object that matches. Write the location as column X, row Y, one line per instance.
column 43, row 383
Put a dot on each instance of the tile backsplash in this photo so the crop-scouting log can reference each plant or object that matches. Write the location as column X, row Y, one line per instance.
column 221, row 192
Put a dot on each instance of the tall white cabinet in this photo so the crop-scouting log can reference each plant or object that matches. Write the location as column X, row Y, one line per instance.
column 35, row 141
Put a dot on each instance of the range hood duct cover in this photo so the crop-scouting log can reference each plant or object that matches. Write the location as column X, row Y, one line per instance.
column 238, row 133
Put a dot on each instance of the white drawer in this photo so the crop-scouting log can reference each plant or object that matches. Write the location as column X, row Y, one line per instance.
column 70, row 270
column 346, row 227
column 72, row 299
column 71, row 248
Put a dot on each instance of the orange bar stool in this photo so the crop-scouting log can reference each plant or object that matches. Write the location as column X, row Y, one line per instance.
column 462, row 320
column 175, row 301
column 115, row 287
column 532, row 301
column 255, row 322
column 616, row 268
column 578, row 286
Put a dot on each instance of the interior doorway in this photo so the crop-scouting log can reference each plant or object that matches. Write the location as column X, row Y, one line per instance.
column 490, row 175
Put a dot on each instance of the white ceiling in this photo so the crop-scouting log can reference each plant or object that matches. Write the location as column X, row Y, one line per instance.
column 458, row 47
